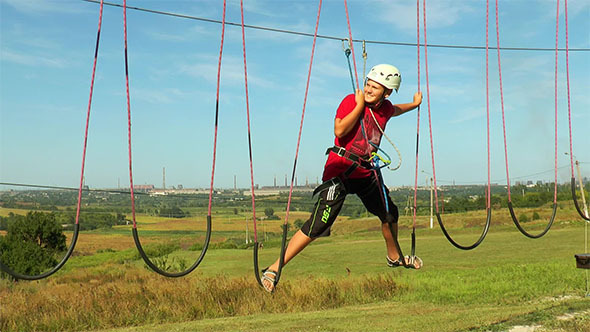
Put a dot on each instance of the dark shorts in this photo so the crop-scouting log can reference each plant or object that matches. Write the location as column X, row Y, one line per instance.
column 331, row 199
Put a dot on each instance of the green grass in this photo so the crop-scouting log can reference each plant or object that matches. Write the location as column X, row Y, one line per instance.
column 508, row 280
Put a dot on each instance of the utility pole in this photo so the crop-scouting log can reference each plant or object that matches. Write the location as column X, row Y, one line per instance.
column 247, row 237
column 431, row 200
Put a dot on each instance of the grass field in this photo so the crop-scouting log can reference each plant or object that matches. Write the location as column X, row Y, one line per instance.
column 339, row 283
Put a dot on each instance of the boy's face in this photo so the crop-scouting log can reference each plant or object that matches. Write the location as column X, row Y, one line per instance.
column 375, row 92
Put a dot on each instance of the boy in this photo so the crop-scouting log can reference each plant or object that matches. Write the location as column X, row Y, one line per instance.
column 358, row 126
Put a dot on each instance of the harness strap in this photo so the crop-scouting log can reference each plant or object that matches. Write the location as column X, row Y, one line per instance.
column 356, row 160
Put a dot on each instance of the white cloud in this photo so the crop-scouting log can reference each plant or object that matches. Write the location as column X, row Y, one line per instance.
column 232, row 71
column 439, row 14
column 31, row 60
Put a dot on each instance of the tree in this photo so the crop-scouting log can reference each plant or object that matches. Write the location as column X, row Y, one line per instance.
column 269, row 212
column 31, row 242
column 39, row 228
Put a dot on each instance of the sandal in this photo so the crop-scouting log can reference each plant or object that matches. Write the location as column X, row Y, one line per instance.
column 270, row 277
column 394, row 263
column 412, row 262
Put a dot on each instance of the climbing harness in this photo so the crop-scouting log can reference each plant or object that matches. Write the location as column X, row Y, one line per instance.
column 72, row 245
column 347, row 52
column 510, row 207
column 488, row 192
column 142, row 253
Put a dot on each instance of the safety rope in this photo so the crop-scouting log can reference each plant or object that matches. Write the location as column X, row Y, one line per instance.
column 70, row 250
column 417, row 129
column 284, row 239
column 140, row 249
column 488, row 193
column 253, row 198
column 351, row 44
column 510, row 207
column 248, row 120
column 583, row 214
column 347, row 52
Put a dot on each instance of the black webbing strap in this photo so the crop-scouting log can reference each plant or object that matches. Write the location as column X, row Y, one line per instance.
column 359, row 161
column 356, row 162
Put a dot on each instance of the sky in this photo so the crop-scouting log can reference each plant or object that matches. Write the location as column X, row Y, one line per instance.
column 47, row 51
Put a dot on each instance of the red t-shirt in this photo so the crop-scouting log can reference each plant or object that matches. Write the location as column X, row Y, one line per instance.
column 355, row 141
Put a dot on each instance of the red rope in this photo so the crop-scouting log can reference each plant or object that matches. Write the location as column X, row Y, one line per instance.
column 248, row 118
column 502, row 101
column 216, row 110
column 88, row 115
column 417, row 113
column 315, row 35
column 428, row 105
column 556, row 57
column 351, row 44
column 569, row 109
column 488, row 188
column 488, row 192
column 128, row 114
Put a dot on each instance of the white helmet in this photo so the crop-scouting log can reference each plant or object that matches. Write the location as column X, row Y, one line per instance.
column 386, row 75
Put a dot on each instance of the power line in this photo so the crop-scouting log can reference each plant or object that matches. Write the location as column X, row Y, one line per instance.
column 299, row 33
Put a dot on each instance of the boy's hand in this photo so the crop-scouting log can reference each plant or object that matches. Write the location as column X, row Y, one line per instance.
column 418, row 98
column 359, row 97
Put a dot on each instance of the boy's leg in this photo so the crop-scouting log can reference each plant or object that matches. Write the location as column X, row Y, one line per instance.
column 392, row 251
column 371, row 194
column 297, row 243
column 326, row 209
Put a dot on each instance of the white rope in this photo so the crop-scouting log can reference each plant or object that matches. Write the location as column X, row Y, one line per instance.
column 399, row 164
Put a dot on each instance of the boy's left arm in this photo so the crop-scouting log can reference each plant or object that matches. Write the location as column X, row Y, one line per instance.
column 400, row 109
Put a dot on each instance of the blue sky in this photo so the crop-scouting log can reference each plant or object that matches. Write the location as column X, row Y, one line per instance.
column 47, row 49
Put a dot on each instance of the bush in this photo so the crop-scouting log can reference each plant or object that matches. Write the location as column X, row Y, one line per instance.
column 536, row 216
column 523, row 218
column 31, row 242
